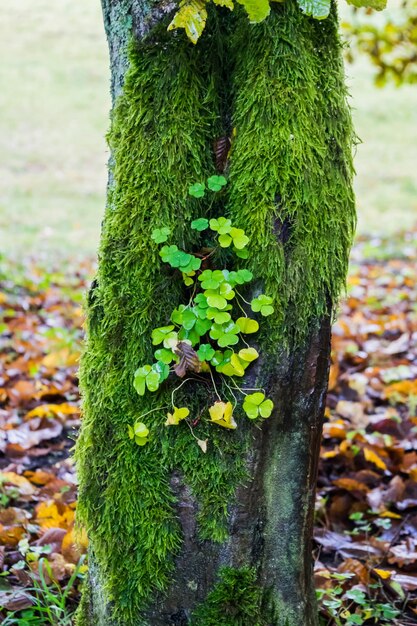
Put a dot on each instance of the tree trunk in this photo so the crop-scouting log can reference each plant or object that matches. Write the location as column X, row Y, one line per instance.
column 179, row 537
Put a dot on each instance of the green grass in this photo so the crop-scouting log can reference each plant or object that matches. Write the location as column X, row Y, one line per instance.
column 54, row 101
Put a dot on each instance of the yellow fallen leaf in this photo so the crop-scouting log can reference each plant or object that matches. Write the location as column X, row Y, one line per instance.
column 25, row 487
column 383, row 573
column 374, row 458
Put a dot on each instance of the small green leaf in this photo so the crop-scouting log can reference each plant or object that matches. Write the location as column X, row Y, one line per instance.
column 188, row 319
column 247, row 325
column 377, row 5
column 221, row 225
column 262, row 305
column 202, row 326
column 159, row 235
column 215, row 300
column 215, row 183
column 197, row 190
column 242, row 254
column 248, row 354
column 152, row 380
column 227, row 340
column 205, row 352
column 191, row 16
column 225, row 241
column 240, row 240
column 256, row 405
column 161, row 369
column 160, row 334
column 200, row 224
column 164, row 355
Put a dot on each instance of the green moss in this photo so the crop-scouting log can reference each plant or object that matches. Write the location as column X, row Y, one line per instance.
column 234, row 601
column 291, row 164
column 161, row 142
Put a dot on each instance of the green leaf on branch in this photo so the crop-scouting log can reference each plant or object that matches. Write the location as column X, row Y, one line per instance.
column 200, row 224
column 192, row 16
column 255, row 405
column 215, row 183
column 197, row 190
column 220, row 317
column 319, row 9
column 215, row 300
column 257, row 10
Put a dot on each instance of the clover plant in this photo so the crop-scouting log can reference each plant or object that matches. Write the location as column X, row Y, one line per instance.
column 207, row 335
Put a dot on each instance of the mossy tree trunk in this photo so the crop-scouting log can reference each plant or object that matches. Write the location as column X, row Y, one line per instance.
column 178, row 537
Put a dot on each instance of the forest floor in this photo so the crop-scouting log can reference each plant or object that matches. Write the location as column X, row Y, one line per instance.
column 366, row 520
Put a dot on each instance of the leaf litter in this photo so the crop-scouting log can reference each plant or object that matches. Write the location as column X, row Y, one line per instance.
column 366, row 507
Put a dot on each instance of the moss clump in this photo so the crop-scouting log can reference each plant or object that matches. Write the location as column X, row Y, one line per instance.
column 234, row 601
column 161, row 137
column 291, row 164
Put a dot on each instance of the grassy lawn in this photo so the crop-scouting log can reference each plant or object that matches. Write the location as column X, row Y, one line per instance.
column 54, row 114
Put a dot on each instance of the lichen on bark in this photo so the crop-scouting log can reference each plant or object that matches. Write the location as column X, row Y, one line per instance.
column 164, row 519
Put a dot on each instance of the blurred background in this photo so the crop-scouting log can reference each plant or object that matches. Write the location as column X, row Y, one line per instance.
column 54, row 103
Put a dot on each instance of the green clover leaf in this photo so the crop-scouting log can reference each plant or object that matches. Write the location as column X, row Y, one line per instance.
column 262, row 305
column 159, row 235
column 160, row 334
column 164, row 355
column 215, row 183
column 146, row 377
column 247, row 325
column 200, row 224
column 197, row 190
column 240, row 240
column 205, row 352
column 139, row 432
column 221, row 225
column 256, row 405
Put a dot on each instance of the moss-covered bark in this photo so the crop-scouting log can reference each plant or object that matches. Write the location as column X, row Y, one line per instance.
column 224, row 538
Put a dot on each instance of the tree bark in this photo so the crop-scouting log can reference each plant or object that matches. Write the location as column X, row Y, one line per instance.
column 162, row 549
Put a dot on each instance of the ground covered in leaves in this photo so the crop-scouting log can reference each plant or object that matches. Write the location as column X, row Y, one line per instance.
column 366, row 524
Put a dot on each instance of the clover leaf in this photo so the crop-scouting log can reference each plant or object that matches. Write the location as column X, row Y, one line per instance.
column 220, row 317
column 215, row 183
column 197, row 190
column 165, row 355
column 221, row 413
column 247, row 325
column 200, row 224
column 139, row 432
column 173, row 419
column 256, row 405
column 160, row 334
column 159, row 235
column 205, row 352
column 144, row 378
column 262, row 304
column 221, row 225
